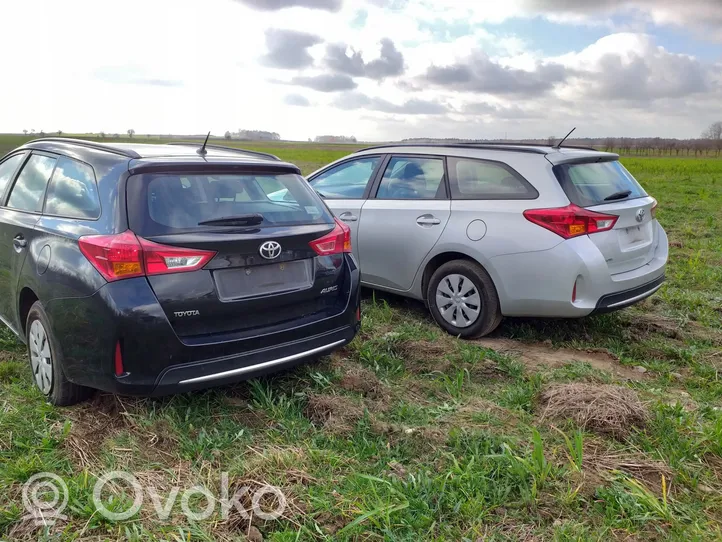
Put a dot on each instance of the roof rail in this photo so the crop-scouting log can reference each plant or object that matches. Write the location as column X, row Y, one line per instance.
column 224, row 148
column 90, row 144
column 510, row 143
column 533, row 148
column 530, row 150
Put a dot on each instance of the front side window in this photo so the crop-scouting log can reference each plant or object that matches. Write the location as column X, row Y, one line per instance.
column 413, row 178
column 7, row 170
column 478, row 179
column 28, row 191
column 347, row 180
column 168, row 203
column 597, row 183
column 72, row 191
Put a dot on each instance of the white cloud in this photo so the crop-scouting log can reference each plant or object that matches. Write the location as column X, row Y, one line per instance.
column 178, row 66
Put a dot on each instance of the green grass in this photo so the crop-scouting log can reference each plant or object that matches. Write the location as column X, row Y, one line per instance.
column 437, row 439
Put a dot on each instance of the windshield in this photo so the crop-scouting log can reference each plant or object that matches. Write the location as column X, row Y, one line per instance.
column 597, row 183
column 160, row 204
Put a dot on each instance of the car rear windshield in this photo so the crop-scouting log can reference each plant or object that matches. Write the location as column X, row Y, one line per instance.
column 597, row 183
column 167, row 203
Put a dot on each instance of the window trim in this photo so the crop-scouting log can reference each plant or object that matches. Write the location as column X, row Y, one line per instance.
column 6, row 199
column 95, row 180
column 379, row 178
column 532, row 194
column 369, row 184
column 11, row 182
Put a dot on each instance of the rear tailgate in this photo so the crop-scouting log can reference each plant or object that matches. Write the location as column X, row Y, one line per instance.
column 603, row 185
column 242, row 288
column 632, row 241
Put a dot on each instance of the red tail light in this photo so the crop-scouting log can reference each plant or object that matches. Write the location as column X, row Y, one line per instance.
column 119, row 370
column 125, row 255
column 574, row 292
column 571, row 221
column 335, row 242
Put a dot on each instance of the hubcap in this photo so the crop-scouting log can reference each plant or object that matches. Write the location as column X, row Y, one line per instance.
column 458, row 300
column 41, row 359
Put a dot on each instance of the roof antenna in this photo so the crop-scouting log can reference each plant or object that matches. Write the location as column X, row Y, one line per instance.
column 202, row 151
column 559, row 145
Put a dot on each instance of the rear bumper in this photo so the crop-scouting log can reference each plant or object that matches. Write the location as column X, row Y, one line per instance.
column 620, row 300
column 216, row 372
column 540, row 284
column 157, row 362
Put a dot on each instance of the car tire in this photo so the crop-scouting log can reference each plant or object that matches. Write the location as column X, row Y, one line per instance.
column 473, row 305
column 46, row 361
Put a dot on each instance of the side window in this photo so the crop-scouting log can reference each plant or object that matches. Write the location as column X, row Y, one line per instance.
column 347, row 180
column 28, row 191
column 478, row 179
column 72, row 191
column 7, row 170
column 413, row 178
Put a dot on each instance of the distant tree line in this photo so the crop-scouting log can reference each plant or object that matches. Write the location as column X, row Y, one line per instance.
column 257, row 135
column 709, row 144
column 335, row 139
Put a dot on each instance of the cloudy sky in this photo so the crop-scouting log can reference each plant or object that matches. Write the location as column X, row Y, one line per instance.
column 376, row 69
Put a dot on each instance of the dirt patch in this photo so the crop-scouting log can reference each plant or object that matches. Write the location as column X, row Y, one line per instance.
column 360, row 379
column 600, row 459
column 10, row 356
column 604, row 409
column 537, row 354
column 250, row 525
column 92, row 423
column 425, row 356
column 336, row 413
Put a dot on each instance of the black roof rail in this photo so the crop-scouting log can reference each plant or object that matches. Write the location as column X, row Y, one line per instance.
column 533, row 148
column 224, row 148
column 460, row 146
column 90, row 144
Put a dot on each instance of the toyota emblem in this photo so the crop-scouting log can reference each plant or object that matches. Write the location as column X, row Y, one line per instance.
column 640, row 215
column 270, row 250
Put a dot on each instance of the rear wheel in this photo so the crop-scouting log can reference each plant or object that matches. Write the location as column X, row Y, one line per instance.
column 46, row 361
column 463, row 300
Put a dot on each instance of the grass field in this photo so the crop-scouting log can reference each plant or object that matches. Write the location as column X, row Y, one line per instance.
column 409, row 434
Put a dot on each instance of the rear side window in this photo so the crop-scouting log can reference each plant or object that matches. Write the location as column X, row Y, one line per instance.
column 171, row 203
column 478, row 179
column 413, row 178
column 597, row 183
column 7, row 170
column 347, row 180
column 72, row 191
column 28, row 191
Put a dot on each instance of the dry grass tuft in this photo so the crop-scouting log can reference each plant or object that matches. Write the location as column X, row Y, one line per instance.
column 604, row 409
column 335, row 413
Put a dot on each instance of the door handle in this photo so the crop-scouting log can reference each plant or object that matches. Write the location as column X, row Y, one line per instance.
column 19, row 242
column 348, row 217
column 427, row 220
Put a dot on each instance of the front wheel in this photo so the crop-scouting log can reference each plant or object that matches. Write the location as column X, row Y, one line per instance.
column 46, row 361
column 463, row 300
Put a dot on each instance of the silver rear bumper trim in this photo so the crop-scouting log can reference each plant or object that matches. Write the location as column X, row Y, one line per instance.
column 264, row 365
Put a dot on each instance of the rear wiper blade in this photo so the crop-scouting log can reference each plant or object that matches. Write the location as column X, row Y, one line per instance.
column 253, row 219
column 618, row 195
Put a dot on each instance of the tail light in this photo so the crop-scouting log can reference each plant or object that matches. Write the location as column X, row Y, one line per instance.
column 125, row 256
column 571, row 221
column 574, row 292
column 653, row 212
column 335, row 242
